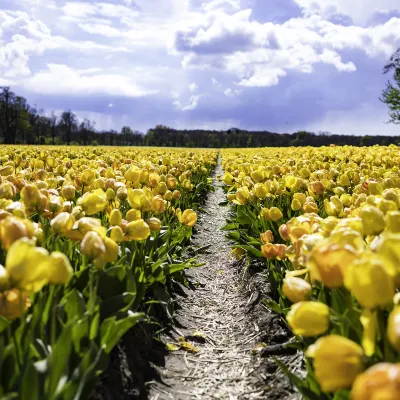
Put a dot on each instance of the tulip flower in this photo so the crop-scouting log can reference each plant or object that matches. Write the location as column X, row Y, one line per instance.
column 373, row 220
column 62, row 223
column 10, row 304
column 115, row 217
column 189, row 217
column 337, row 362
column 308, row 318
column 296, row 289
column 369, row 280
column 137, row 230
column 60, row 270
column 94, row 202
column 92, row 245
column 381, row 381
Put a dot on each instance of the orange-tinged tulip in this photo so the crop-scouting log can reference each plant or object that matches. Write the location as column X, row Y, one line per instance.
column 379, row 382
column 267, row 237
column 10, row 304
column 12, row 229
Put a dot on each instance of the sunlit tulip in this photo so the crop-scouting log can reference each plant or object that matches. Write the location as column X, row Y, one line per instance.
column 379, row 382
column 116, row 234
column 393, row 328
column 68, row 192
column 115, row 217
column 60, row 270
column 337, row 362
column 94, row 202
column 308, row 318
column 373, row 220
column 296, row 289
column 189, row 217
column 369, row 280
column 30, row 195
column 62, row 223
column 112, row 249
column 12, row 229
column 267, row 237
column 92, row 245
column 275, row 214
column 154, row 224
column 137, row 230
column 27, row 266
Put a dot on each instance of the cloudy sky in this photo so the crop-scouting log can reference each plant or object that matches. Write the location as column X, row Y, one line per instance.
column 280, row 65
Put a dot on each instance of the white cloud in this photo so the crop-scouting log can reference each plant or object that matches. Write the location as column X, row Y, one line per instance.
column 232, row 92
column 221, row 4
column 111, row 105
column 61, row 79
column 260, row 54
column 359, row 10
column 193, row 87
column 193, row 103
column 77, row 10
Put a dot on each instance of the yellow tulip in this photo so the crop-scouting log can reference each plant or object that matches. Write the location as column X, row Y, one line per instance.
column 28, row 267
column 92, row 245
column 94, row 202
column 115, row 217
column 30, row 196
column 373, row 220
column 392, row 219
column 10, row 304
column 296, row 289
column 308, row 318
column 112, row 249
column 154, row 224
column 87, row 177
column 60, row 270
column 116, row 234
column 12, row 229
column 267, row 237
column 393, row 328
column 189, row 217
column 379, row 382
column 158, row 204
column 369, row 281
column 296, row 205
column 137, row 199
column 68, row 192
column 137, row 230
column 337, row 362
column 62, row 223
column 133, row 215
column 275, row 214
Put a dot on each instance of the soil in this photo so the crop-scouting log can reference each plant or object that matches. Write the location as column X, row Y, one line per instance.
column 222, row 317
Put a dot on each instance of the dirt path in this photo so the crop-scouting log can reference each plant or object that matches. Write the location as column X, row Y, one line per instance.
column 220, row 308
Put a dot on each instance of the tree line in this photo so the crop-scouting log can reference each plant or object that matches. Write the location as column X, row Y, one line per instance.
column 21, row 123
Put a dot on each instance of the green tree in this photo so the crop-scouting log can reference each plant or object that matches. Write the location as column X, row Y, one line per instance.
column 391, row 93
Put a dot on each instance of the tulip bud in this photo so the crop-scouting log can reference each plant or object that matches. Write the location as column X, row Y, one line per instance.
column 296, row 205
column 30, row 195
column 154, row 224
column 116, row 234
column 275, row 214
column 133, row 215
column 284, row 232
column 68, row 192
column 296, row 289
column 7, row 191
column 110, row 194
column 158, row 204
column 308, row 318
column 115, row 217
column 381, row 381
column 168, row 195
column 260, row 190
column 310, row 207
column 12, row 229
column 337, row 362
column 60, row 271
column 92, row 245
column 238, row 253
column 269, row 251
column 137, row 230
column 176, row 194
column 317, row 188
column 122, row 193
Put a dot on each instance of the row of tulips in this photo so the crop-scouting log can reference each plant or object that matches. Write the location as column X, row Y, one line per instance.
column 326, row 223
column 92, row 241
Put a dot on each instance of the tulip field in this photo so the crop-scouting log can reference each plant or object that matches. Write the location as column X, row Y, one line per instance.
column 91, row 239
column 94, row 238
column 327, row 223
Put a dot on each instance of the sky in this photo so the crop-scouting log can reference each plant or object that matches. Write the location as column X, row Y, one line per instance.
column 277, row 65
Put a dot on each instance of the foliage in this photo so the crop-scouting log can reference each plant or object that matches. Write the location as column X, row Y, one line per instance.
column 391, row 93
